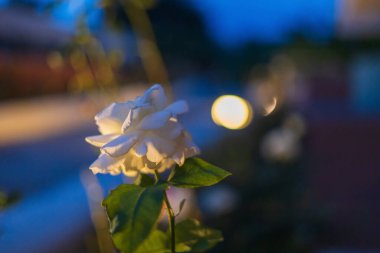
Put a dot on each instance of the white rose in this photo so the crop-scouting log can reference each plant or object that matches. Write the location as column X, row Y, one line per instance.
column 141, row 136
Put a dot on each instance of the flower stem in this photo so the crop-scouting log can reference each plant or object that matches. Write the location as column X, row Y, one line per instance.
column 171, row 217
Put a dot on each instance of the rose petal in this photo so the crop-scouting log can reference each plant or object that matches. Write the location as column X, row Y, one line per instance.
column 100, row 140
column 178, row 107
column 158, row 148
column 155, row 120
column 135, row 115
column 171, row 130
column 134, row 162
column 190, row 148
column 130, row 173
column 179, row 158
column 192, row 151
column 128, row 121
column 159, row 119
column 111, row 118
column 115, row 110
column 106, row 164
column 153, row 154
column 155, row 96
column 109, row 126
column 140, row 149
column 121, row 144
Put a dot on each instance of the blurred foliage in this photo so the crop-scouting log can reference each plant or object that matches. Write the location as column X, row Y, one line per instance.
column 93, row 66
column 273, row 213
column 8, row 199
column 172, row 42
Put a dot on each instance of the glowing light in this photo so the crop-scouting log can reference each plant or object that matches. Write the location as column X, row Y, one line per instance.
column 231, row 112
column 269, row 108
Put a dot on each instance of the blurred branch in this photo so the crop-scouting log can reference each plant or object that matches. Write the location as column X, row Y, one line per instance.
column 91, row 63
column 149, row 52
column 95, row 196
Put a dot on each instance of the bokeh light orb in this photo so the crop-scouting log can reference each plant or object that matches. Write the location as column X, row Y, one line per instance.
column 270, row 106
column 231, row 112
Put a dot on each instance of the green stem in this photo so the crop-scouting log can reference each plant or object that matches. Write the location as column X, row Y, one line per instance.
column 171, row 222
column 156, row 177
column 171, row 216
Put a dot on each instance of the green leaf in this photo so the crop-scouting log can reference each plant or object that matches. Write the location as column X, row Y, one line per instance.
column 196, row 172
column 181, row 247
column 196, row 236
column 133, row 211
column 157, row 242
column 144, row 180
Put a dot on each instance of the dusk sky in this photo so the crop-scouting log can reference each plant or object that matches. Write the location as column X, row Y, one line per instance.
column 232, row 23
column 235, row 22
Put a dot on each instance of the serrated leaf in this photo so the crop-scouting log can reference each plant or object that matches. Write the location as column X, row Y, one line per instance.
column 196, row 236
column 133, row 211
column 196, row 172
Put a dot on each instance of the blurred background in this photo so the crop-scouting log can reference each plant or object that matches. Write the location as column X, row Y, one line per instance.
column 284, row 94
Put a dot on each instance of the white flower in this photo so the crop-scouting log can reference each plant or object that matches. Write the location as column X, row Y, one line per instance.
column 141, row 136
column 281, row 144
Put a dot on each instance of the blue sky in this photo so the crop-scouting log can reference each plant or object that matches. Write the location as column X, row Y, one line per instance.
column 233, row 22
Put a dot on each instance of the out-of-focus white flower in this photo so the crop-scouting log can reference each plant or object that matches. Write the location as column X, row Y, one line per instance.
column 281, row 145
column 284, row 143
column 141, row 136
column 218, row 200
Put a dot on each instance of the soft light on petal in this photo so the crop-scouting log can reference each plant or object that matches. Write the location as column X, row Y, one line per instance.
column 106, row 164
column 128, row 121
column 179, row 158
column 153, row 154
column 109, row 126
column 158, row 148
column 178, row 107
column 135, row 115
column 111, row 118
column 130, row 173
column 155, row 120
column 140, row 149
column 155, row 95
column 171, row 130
column 121, row 144
column 115, row 110
column 100, row 140
column 134, row 162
